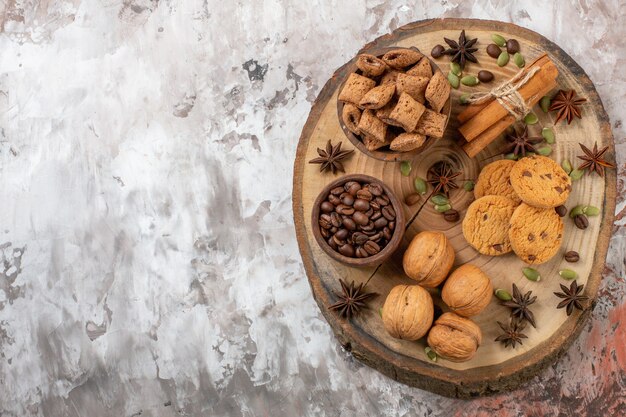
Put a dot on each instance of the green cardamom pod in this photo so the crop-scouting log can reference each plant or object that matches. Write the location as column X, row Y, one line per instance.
column 576, row 174
column 503, row 59
column 567, row 166
column 464, row 99
column 468, row 186
column 453, row 79
column 420, row 185
column 443, row 208
column 544, row 103
column 498, row 40
column 405, row 168
column 519, row 60
column 576, row 211
column 548, row 135
column 567, row 274
column 432, row 355
column 455, row 68
column 439, row 199
column 502, row 295
column 469, row 80
column 531, row 119
column 545, row 150
column 511, row 156
column 591, row 210
column 531, row 273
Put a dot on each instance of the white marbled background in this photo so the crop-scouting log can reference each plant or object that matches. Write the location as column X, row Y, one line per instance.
column 150, row 265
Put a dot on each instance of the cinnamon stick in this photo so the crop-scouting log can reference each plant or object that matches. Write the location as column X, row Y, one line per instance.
column 481, row 141
column 473, row 109
column 531, row 92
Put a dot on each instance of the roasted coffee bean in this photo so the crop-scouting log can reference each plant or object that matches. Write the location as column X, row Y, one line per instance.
column 387, row 233
column 368, row 227
column 374, row 204
column 327, row 207
column 336, row 219
column 493, row 50
column 561, row 210
column 485, row 76
column 347, row 199
column 382, row 200
column 333, row 230
column 364, row 195
column 389, row 213
column 369, row 213
column 376, row 237
column 353, row 188
column 369, row 233
column 343, row 209
column 331, row 243
column 451, row 216
column 325, row 233
column 380, row 223
column 361, row 205
column 334, row 200
column 371, row 247
column 412, row 199
column 512, row 46
column 581, row 221
column 337, row 191
column 360, row 218
column 324, row 221
column 347, row 250
column 572, row 256
column 338, row 241
column 359, row 238
column 342, row 234
column 349, row 224
column 375, row 215
column 391, row 225
column 437, row 51
column 361, row 253
column 376, row 190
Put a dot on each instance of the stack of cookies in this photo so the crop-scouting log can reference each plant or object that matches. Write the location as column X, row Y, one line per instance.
column 514, row 209
column 395, row 101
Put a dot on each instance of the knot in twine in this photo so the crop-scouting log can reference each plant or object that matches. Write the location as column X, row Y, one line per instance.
column 507, row 95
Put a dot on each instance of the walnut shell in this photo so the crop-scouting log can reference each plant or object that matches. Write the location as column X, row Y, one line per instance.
column 428, row 258
column 454, row 337
column 408, row 312
column 467, row 290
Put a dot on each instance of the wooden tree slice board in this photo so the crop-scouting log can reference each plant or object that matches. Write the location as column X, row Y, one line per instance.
column 494, row 368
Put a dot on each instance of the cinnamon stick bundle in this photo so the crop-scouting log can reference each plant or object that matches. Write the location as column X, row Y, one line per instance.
column 483, row 123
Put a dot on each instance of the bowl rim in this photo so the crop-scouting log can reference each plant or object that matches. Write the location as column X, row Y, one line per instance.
column 398, row 232
column 391, row 156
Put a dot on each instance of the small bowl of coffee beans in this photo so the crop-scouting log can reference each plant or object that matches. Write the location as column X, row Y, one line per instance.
column 357, row 220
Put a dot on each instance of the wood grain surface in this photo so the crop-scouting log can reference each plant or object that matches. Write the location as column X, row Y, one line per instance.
column 494, row 368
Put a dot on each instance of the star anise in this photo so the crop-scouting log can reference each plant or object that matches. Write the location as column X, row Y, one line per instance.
column 519, row 305
column 571, row 297
column 520, row 143
column 512, row 333
column 330, row 159
column 594, row 159
column 567, row 105
column 351, row 300
column 441, row 177
column 461, row 51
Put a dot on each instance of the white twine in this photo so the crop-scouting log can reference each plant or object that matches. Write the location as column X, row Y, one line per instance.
column 507, row 95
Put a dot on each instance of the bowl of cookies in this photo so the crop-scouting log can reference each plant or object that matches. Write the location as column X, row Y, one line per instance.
column 394, row 104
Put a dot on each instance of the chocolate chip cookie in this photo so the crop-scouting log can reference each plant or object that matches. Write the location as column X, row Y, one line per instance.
column 540, row 182
column 486, row 224
column 494, row 179
column 535, row 233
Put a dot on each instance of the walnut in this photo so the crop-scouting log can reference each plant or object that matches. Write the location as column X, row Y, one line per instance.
column 454, row 337
column 408, row 312
column 467, row 291
column 428, row 258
